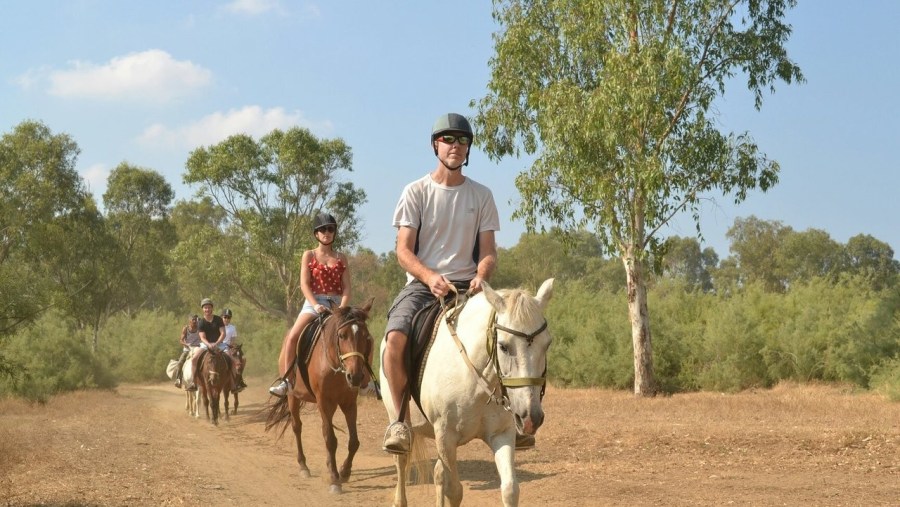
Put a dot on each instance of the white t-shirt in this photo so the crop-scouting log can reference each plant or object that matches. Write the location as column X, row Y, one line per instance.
column 230, row 334
column 449, row 220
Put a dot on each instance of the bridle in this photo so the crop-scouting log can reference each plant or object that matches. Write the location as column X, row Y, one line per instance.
column 336, row 339
column 491, row 344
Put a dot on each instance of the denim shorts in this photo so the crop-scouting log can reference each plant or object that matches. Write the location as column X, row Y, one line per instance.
column 322, row 299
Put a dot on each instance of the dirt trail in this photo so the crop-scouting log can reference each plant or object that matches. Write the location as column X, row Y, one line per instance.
column 790, row 446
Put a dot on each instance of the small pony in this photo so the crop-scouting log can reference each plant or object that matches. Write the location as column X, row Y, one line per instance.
column 214, row 378
column 330, row 375
column 483, row 377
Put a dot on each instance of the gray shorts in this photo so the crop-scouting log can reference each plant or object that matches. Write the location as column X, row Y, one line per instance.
column 415, row 296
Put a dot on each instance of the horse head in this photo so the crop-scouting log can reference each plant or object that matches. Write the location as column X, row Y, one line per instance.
column 518, row 341
column 236, row 350
column 348, row 335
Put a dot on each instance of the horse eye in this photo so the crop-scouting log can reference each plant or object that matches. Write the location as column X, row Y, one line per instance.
column 504, row 348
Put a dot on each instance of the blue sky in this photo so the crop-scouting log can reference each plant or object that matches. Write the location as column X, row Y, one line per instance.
column 147, row 82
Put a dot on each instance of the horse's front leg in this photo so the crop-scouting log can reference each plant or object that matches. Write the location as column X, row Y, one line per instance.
column 327, row 410
column 446, row 471
column 235, row 403
column 503, row 445
column 401, row 463
column 227, row 395
column 297, row 426
column 350, row 413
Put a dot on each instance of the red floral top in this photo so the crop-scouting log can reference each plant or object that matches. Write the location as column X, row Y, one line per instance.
column 326, row 279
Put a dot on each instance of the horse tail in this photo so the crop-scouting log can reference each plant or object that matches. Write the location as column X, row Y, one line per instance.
column 419, row 471
column 280, row 415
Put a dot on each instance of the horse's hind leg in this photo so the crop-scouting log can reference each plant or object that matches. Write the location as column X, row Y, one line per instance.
column 297, row 426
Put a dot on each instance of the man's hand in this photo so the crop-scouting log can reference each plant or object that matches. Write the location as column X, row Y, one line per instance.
column 439, row 285
column 475, row 285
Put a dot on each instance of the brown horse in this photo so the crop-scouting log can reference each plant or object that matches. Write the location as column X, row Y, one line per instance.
column 236, row 351
column 214, row 378
column 336, row 367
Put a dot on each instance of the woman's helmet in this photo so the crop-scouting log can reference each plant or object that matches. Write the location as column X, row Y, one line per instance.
column 226, row 312
column 452, row 122
column 323, row 219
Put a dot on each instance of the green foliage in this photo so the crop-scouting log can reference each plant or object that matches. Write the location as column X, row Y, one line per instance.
column 268, row 192
column 53, row 359
column 887, row 379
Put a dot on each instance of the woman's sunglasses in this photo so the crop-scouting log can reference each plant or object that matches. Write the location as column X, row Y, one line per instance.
column 326, row 228
column 463, row 140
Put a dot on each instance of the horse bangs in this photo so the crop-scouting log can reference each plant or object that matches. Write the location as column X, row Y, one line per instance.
column 520, row 305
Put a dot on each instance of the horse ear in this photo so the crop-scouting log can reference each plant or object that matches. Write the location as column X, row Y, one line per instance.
column 369, row 305
column 496, row 300
column 545, row 293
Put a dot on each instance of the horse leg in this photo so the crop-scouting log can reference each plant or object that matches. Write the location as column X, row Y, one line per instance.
column 227, row 395
column 503, row 446
column 350, row 413
column 297, row 426
column 446, row 472
column 327, row 410
column 235, row 403
column 401, row 463
column 214, row 401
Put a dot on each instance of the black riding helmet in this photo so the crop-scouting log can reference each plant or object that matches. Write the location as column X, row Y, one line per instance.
column 226, row 312
column 452, row 122
column 323, row 219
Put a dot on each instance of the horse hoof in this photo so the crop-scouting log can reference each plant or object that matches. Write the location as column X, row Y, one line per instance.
column 335, row 489
column 304, row 474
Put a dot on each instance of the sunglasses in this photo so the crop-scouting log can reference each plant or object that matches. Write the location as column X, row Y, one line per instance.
column 226, row 317
column 327, row 228
column 463, row 140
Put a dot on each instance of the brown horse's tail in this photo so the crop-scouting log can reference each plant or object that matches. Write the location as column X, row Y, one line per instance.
column 279, row 415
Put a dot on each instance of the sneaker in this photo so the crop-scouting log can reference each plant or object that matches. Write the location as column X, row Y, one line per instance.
column 178, row 382
column 396, row 438
column 524, row 442
column 281, row 389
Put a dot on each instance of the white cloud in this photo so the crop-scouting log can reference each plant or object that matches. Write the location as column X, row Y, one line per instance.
column 252, row 7
column 251, row 120
column 95, row 177
column 149, row 75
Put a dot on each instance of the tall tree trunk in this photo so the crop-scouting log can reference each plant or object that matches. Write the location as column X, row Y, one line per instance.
column 644, row 383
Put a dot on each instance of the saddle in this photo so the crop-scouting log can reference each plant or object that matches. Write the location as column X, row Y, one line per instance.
column 421, row 337
column 305, row 344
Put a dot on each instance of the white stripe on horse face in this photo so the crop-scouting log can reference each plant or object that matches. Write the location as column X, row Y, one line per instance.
column 355, row 328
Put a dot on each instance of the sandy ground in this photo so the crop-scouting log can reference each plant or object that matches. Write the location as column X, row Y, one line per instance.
column 794, row 445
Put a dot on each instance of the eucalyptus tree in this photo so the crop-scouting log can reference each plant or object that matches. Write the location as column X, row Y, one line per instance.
column 138, row 207
column 269, row 192
column 39, row 188
column 615, row 100
column 874, row 259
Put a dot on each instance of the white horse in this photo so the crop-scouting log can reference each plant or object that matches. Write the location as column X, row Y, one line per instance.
column 192, row 398
column 484, row 378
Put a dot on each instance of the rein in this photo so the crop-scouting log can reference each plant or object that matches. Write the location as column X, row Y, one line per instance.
column 491, row 344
